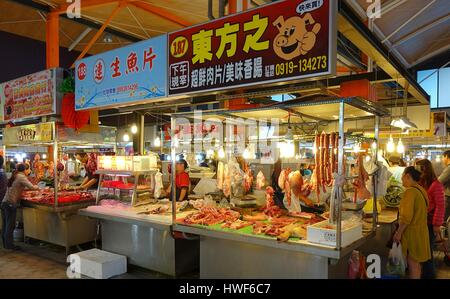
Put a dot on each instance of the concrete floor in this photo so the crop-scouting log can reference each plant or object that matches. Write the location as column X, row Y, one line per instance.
column 40, row 260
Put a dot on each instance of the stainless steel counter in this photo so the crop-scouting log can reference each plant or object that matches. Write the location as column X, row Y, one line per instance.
column 146, row 240
column 58, row 225
column 232, row 255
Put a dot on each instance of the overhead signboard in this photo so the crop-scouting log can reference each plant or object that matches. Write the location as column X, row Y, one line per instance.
column 283, row 41
column 30, row 96
column 131, row 74
column 28, row 134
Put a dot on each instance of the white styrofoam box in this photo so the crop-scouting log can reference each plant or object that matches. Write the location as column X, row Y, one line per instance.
column 319, row 233
column 96, row 263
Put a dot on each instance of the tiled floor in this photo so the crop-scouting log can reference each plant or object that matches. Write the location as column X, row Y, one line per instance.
column 48, row 261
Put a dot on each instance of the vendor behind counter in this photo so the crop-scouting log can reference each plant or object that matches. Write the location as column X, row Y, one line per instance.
column 182, row 181
column 91, row 179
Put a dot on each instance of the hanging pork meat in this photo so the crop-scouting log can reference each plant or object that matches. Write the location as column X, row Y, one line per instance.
column 226, row 181
column 220, row 175
column 260, row 180
column 359, row 183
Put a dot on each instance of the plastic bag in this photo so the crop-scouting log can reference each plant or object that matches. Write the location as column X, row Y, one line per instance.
column 396, row 262
column 159, row 188
column 357, row 266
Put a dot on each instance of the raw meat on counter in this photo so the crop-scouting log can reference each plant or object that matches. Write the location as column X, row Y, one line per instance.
column 158, row 210
column 238, row 224
column 292, row 230
column 254, row 217
column 46, row 196
column 116, row 204
column 211, row 216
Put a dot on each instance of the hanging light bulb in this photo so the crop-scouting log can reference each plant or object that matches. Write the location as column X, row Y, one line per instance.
column 126, row 137
column 134, row 129
column 209, row 153
column 287, row 150
column 221, row 153
column 44, row 156
column 374, row 145
column 390, row 147
column 157, row 142
column 400, row 147
column 357, row 147
column 246, row 155
column 176, row 142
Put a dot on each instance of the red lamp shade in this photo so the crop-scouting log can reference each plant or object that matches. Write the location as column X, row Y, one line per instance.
column 71, row 118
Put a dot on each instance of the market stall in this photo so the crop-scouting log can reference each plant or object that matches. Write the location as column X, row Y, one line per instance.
column 132, row 207
column 254, row 237
column 50, row 213
column 136, row 216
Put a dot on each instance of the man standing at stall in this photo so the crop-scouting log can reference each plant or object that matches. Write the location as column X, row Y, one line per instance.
column 444, row 178
column 3, row 179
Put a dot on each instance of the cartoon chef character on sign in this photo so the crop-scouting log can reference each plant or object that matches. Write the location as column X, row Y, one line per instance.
column 293, row 38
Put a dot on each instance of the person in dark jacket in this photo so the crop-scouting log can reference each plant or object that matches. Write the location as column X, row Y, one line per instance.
column 3, row 179
column 279, row 194
column 11, row 200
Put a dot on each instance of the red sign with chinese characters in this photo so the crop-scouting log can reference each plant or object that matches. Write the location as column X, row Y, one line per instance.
column 30, row 96
column 283, row 41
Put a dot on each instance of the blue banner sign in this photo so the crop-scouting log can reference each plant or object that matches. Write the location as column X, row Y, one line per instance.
column 123, row 76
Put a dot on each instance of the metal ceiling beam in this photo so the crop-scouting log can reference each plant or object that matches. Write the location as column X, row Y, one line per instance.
column 82, row 21
column 431, row 54
column 363, row 16
column 420, row 30
column 385, row 8
column 354, row 29
column 163, row 13
column 79, row 38
column 61, row 9
column 408, row 21
column 119, row 6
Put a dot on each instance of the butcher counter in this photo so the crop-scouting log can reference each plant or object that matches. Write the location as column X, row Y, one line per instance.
column 146, row 240
column 60, row 225
column 235, row 256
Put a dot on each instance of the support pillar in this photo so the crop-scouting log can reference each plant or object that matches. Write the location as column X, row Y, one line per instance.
column 138, row 138
column 52, row 40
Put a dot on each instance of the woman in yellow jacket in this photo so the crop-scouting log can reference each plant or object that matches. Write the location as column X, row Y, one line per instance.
column 413, row 231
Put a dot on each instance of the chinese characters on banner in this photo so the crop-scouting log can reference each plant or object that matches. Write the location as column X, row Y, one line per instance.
column 287, row 40
column 30, row 96
column 126, row 75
